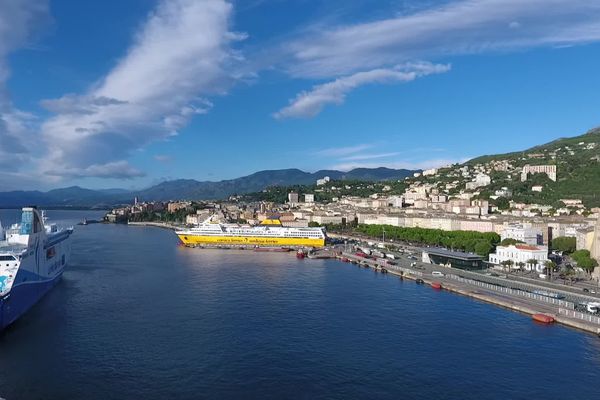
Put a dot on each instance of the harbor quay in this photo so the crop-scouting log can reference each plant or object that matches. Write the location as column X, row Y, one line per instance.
column 507, row 294
column 545, row 301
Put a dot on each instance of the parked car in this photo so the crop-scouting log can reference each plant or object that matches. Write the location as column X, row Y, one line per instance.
column 437, row 273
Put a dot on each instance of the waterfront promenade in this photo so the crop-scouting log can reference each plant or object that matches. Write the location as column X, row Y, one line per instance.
column 462, row 282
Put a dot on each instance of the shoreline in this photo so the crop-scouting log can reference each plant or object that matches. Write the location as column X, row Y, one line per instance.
column 479, row 295
column 473, row 292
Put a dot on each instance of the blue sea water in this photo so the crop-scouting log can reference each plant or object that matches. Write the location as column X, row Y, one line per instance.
column 137, row 316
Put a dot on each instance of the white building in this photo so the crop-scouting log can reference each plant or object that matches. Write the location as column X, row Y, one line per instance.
column 309, row 198
column 549, row 170
column 480, row 180
column 429, row 172
column 321, row 182
column 293, row 198
column 525, row 233
column 522, row 253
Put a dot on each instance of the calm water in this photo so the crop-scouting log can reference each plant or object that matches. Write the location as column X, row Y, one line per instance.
column 137, row 316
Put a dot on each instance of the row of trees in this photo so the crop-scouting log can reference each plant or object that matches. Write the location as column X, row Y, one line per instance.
column 474, row 242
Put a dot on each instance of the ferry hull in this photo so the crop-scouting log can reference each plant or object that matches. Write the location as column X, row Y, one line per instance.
column 189, row 239
column 21, row 298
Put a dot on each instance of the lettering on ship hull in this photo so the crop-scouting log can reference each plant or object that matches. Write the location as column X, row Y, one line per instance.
column 259, row 241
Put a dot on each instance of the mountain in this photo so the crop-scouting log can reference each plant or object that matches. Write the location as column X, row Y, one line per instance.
column 75, row 196
column 191, row 189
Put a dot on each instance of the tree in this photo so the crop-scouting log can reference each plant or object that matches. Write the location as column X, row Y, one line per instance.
column 313, row 224
column 483, row 248
column 584, row 260
column 564, row 244
column 532, row 262
column 510, row 241
column 502, row 203
column 550, row 265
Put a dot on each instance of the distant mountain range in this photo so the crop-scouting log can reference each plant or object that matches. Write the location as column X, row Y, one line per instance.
column 76, row 196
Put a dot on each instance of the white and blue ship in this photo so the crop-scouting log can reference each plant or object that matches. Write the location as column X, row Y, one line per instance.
column 33, row 256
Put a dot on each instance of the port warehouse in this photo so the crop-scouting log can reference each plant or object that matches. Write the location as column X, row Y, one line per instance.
column 455, row 259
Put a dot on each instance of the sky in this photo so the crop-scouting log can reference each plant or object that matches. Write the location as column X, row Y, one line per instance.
column 105, row 94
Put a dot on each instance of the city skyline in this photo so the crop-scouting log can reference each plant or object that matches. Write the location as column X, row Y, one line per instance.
column 104, row 95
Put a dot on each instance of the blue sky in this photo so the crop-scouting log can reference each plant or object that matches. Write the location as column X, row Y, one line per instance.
column 127, row 94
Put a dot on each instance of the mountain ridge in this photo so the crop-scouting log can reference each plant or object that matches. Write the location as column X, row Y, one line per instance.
column 76, row 196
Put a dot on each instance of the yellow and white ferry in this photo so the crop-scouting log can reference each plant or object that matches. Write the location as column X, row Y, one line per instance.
column 269, row 233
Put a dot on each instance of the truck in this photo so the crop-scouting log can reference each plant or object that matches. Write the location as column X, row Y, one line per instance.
column 593, row 307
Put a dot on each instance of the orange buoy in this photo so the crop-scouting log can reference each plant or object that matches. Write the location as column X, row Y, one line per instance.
column 543, row 318
column 436, row 285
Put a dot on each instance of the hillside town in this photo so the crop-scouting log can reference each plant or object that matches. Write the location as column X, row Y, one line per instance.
column 446, row 199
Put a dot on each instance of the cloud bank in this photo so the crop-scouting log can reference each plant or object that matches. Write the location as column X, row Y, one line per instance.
column 180, row 56
column 459, row 27
column 310, row 103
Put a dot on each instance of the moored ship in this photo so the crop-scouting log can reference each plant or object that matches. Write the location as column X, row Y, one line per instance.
column 33, row 256
column 269, row 233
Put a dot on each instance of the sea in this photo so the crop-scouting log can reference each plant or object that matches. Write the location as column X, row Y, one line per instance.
column 138, row 316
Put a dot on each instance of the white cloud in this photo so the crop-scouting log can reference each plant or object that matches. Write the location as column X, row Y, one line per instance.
column 343, row 151
column 181, row 55
column 459, row 27
column 310, row 103
column 116, row 169
column 422, row 164
column 370, row 156
column 163, row 158
column 17, row 20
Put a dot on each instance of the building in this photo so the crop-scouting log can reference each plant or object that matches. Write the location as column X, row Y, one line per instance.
column 309, row 198
column 178, row 205
column 504, row 192
column 531, row 257
column 537, row 188
column 429, row 172
column 454, row 259
column 323, row 181
column 293, row 198
column 549, row 170
column 525, row 233
column 480, row 180
column 595, row 252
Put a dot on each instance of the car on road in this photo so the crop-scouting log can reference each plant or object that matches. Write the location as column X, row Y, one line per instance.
column 437, row 273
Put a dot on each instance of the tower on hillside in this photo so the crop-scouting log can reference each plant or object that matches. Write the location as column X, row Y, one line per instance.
column 596, row 241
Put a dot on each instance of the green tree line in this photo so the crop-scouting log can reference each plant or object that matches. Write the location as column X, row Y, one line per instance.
column 474, row 242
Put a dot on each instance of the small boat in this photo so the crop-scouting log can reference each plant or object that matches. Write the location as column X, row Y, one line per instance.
column 420, row 281
column 436, row 285
column 543, row 318
column 300, row 254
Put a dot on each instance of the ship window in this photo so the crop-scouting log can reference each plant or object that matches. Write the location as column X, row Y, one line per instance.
column 7, row 258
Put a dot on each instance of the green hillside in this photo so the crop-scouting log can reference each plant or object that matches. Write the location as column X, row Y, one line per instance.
column 578, row 170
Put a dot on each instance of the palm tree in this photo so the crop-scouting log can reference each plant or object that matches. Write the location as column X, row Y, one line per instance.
column 521, row 265
column 533, row 262
column 550, row 265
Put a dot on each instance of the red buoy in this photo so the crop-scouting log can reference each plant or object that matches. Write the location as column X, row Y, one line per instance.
column 543, row 318
column 436, row 285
